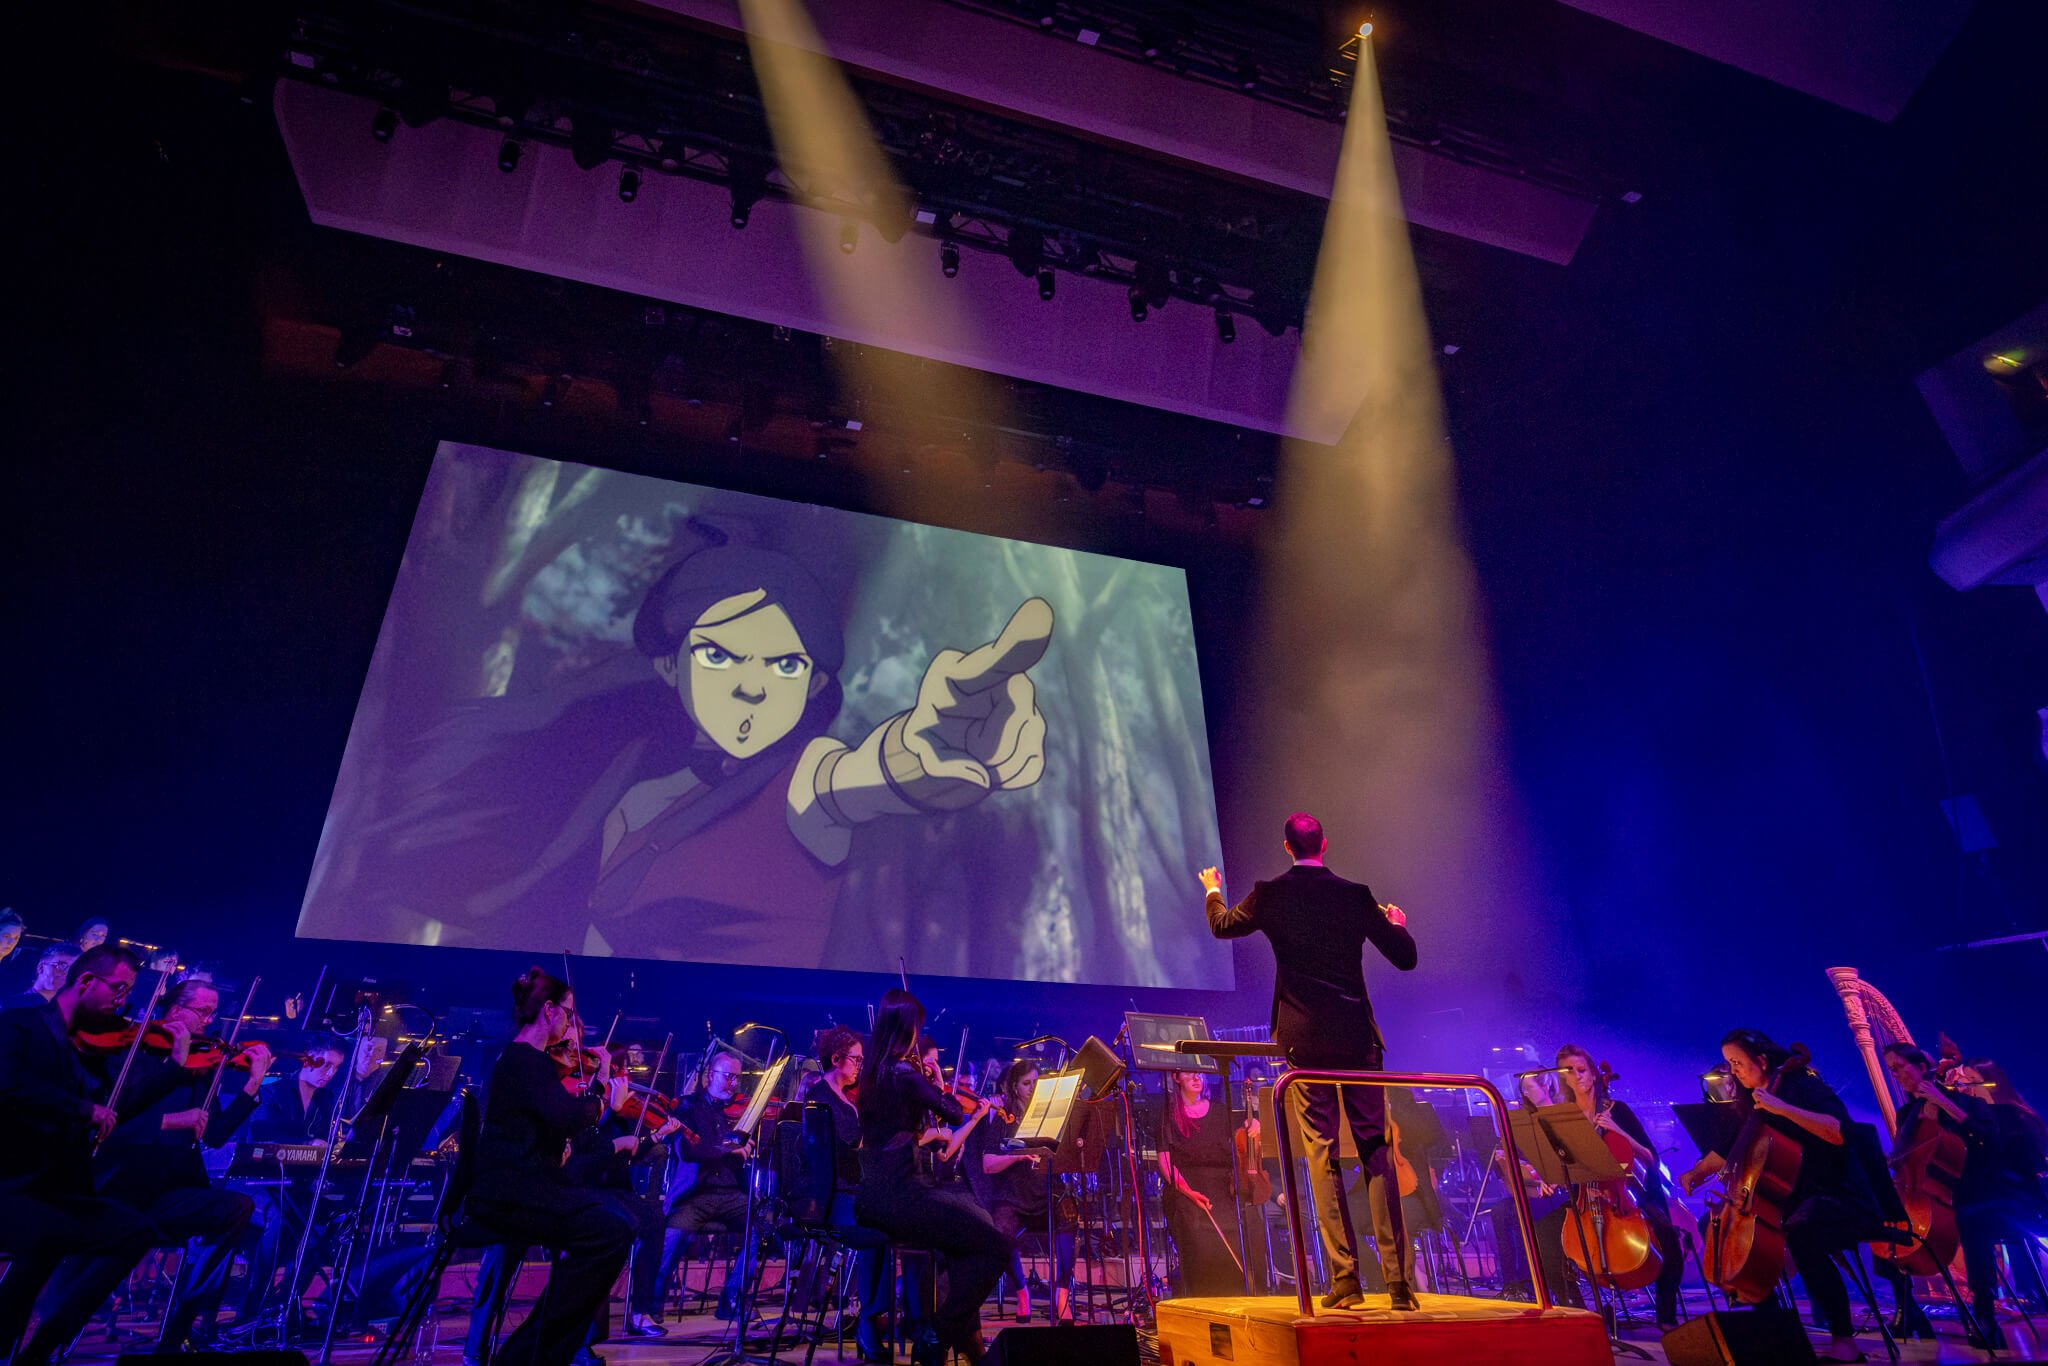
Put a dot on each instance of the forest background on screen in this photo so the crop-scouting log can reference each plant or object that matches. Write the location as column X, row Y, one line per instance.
column 506, row 712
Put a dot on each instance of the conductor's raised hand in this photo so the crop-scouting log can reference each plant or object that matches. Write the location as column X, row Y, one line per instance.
column 976, row 727
column 1394, row 914
column 1212, row 880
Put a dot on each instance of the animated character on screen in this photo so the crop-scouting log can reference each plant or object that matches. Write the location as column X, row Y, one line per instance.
column 733, row 855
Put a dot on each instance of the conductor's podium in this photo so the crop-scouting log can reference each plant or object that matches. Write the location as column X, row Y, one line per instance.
column 1270, row 1330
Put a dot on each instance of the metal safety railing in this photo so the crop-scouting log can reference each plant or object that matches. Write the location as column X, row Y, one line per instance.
column 1428, row 1080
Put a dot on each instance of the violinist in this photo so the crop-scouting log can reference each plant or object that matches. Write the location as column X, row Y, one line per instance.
column 1012, row 1184
column 603, row 1158
column 1195, row 1159
column 52, row 967
column 56, row 1102
column 522, row 1190
column 1830, row 1208
column 151, row 1162
column 1983, row 1191
column 1587, row 1084
column 844, row 1053
column 717, row 1196
column 897, row 1098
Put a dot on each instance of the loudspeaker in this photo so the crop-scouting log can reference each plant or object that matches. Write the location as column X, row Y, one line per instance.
column 1113, row 1344
column 1740, row 1337
column 249, row 1358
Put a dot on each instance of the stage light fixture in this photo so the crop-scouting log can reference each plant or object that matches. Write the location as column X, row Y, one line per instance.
column 741, row 212
column 1365, row 29
column 1247, row 76
column 384, row 124
column 1027, row 250
column 1226, row 326
column 553, row 390
column 508, row 155
column 1047, row 280
column 949, row 259
column 629, row 184
column 1138, row 305
column 849, row 235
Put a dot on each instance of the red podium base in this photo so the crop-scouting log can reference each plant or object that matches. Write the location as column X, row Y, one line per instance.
column 1269, row 1330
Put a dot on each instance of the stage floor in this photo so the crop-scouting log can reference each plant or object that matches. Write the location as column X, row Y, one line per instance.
column 98, row 1348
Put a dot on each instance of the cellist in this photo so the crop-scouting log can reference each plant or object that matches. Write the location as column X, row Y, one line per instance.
column 1978, row 1191
column 1830, row 1208
column 1588, row 1086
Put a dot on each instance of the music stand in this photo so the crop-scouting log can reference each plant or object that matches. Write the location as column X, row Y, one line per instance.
column 1153, row 1038
column 749, row 1289
column 1574, row 1149
column 1712, row 1127
column 378, row 1110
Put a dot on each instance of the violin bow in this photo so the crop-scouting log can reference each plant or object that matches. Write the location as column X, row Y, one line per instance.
column 654, row 1083
column 569, row 981
column 220, row 1068
column 134, row 1047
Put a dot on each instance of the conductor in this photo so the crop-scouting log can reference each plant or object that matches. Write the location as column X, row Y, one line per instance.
column 1319, row 924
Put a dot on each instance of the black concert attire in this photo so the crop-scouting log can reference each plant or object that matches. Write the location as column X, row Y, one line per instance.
column 1017, row 1198
column 1653, row 1198
column 1203, row 1157
column 1988, row 1200
column 870, row 1265
column 2023, row 1152
column 523, row 1191
column 598, row 1164
column 1831, row 1208
column 1319, row 925
column 50, row 1208
column 159, row 1171
column 894, row 1199
column 716, row 1198
column 282, row 1116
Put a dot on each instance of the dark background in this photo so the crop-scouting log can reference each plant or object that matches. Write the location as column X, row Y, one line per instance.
column 1699, row 484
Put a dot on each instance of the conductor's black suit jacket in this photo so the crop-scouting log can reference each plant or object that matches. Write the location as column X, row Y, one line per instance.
column 1319, row 925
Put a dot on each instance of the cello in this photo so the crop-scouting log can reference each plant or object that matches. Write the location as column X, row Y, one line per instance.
column 1745, row 1233
column 1926, row 1166
column 1622, row 1252
column 1253, row 1183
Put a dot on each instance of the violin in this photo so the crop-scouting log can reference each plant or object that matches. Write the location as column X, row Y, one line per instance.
column 204, row 1050
column 1252, row 1180
column 1622, row 1251
column 1405, row 1179
column 1745, row 1234
column 573, row 1059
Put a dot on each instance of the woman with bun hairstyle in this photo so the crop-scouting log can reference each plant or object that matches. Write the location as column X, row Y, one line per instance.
column 522, row 1190
column 897, row 1098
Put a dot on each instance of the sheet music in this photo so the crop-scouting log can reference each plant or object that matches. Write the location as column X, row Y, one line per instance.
column 1052, row 1100
column 771, row 1080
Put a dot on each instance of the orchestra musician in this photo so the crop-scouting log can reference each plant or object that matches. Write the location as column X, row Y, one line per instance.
column 1319, row 925
column 603, row 1158
column 11, row 930
column 1984, row 1192
column 844, row 1053
column 1549, row 1206
column 897, row 1098
column 717, row 1196
column 150, row 1163
column 1589, row 1088
column 92, row 932
column 1013, row 1186
column 1830, row 1208
column 1195, row 1160
column 294, row 1109
column 522, row 1189
column 55, row 1100
column 2023, row 1150
column 51, row 969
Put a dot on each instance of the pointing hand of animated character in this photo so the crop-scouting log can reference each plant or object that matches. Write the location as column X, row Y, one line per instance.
column 976, row 728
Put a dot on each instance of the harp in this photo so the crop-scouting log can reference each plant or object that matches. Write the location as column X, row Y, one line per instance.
column 1874, row 1022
